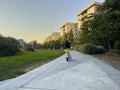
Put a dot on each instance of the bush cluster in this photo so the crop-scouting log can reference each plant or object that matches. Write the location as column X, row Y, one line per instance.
column 89, row 48
column 116, row 51
column 8, row 46
column 28, row 47
column 117, row 45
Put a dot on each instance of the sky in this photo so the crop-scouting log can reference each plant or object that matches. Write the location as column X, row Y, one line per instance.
column 37, row 19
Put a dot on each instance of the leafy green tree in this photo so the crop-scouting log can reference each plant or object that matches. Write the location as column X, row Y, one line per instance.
column 35, row 44
column 71, row 36
column 117, row 45
column 104, row 29
column 108, row 22
column 112, row 5
column 58, row 44
column 85, row 33
column 46, row 45
column 40, row 46
column 65, row 37
column 54, row 44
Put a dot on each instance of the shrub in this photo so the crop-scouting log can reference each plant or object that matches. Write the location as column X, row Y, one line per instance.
column 100, row 49
column 8, row 46
column 77, row 47
column 90, row 48
column 117, row 45
column 28, row 47
column 116, row 51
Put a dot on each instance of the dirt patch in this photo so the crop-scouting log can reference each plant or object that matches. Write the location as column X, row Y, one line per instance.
column 32, row 66
column 113, row 60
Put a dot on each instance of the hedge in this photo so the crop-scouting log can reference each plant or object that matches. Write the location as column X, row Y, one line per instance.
column 90, row 48
column 8, row 46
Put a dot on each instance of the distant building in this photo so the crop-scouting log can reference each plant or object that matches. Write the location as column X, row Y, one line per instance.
column 22, row 42
column 55, row 35
column 75, row 32
column 88, row 13
column 47, row 39
column 67, row 27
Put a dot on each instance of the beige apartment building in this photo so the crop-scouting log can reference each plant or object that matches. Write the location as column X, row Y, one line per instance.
column 47, row 39
column 87, row 13
column 53, row 36
column 67, row 27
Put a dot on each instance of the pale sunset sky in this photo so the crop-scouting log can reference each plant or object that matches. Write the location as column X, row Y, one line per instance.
column 37, row 19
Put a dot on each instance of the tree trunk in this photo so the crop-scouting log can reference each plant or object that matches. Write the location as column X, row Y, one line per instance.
column 109, row 45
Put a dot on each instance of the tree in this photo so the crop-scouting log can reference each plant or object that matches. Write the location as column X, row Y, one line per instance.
column 105, row 27
column 35, row 44
column 112, row 5
column 40, row 46
column 71, row 36
column 85, row 33
column 58, row 44
column 108, row 22
column 65, row 37
column 54, row 44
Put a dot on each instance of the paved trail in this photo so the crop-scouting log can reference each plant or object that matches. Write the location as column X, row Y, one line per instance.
column 83, row 72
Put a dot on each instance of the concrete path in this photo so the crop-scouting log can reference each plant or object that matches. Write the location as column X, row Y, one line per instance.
column 83, row 72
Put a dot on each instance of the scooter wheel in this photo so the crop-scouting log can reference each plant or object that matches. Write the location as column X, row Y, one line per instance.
column 67, row 58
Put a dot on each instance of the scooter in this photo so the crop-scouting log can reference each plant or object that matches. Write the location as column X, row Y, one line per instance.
column 68, row 57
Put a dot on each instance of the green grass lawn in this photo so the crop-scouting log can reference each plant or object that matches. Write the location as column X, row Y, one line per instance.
column 10, row 66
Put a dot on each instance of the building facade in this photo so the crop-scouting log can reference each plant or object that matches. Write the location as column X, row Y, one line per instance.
column 48, row 39
column 67, row 27
column 88, row 13
column 54, row 36
column 22, row 42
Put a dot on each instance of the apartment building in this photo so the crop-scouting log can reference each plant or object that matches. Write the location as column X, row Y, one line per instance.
column 67, row 27
column 87, row 13
column 53, row 36
column 22, row 42
column 75, row 30
column 48, row 39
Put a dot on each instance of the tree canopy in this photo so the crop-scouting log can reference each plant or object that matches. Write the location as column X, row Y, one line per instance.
column 104, row 29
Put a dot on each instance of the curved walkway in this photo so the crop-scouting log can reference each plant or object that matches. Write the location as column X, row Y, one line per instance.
column 83, row 72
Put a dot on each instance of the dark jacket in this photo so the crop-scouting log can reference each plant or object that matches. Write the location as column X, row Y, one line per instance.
column 67, row 44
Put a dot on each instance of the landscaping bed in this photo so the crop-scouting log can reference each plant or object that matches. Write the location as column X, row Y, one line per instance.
column 113, row 59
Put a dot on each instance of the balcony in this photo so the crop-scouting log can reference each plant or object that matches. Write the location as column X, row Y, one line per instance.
column 90, row 15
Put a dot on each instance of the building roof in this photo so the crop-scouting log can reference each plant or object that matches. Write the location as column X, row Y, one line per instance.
column 90, row 5
column 67, row 24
